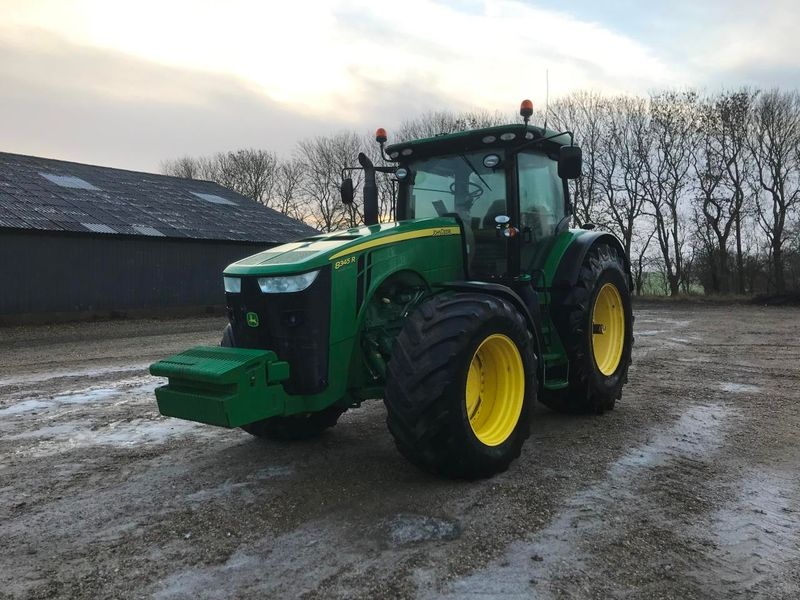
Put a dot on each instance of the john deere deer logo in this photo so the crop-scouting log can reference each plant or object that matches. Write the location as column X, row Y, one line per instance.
column 252, row 319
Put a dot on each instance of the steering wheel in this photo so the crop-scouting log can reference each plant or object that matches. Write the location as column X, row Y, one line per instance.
column 474, row 191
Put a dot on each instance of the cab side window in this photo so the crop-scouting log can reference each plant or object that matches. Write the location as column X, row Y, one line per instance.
column 541, row 194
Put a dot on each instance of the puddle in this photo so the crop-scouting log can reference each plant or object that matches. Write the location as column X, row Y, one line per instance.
column 697, row 432
column 564, row 549
column 739, row 388
column 409, row 528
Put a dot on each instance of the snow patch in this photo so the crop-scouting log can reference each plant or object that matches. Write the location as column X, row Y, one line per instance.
column 84, row 396
column 739, row 388
column 409, row 528
column 23, row 407
column 137, row 432
column 48, row 375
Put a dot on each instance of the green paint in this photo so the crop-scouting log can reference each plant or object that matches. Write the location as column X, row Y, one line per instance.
column 228, row 387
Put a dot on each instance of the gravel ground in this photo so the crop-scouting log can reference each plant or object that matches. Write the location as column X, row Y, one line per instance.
column 688, row 489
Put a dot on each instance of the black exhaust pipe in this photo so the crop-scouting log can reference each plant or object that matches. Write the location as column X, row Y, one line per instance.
column 370, row 190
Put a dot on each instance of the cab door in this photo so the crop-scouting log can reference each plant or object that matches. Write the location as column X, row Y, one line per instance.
column 542, row 207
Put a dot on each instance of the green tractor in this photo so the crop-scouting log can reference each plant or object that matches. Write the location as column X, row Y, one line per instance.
column 477, row 301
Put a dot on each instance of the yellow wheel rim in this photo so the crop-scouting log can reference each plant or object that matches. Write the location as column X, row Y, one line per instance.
column 495, row 389
column 608, row 329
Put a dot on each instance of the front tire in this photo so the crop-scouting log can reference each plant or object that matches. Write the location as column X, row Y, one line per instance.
column 460, row 386
column 595, row 322
column 294, row 427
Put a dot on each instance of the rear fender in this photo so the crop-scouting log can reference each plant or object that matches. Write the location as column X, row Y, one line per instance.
column 569, row 267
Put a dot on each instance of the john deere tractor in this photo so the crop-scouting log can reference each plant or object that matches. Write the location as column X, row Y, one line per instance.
column 477, row 301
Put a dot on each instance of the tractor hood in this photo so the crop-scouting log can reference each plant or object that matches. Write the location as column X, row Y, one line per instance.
column 321, row 250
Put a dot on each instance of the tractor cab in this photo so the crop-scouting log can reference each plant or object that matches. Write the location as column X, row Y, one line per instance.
column 506, row 187
column 502, row 185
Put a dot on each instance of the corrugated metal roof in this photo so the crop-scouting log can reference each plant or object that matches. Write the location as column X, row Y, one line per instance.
column 47, row 194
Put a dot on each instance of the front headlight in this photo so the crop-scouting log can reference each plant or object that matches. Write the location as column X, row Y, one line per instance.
column 233, row 285
column 290, row 283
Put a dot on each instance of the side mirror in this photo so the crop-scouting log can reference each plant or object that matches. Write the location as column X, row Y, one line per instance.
column 347, row 191
column 570, row 162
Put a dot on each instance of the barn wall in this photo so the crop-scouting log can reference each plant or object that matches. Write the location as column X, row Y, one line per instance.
column 52, row 272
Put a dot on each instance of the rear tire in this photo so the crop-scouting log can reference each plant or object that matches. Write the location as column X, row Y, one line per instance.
column 588, row 319
column 460, row 386
column 295, row 427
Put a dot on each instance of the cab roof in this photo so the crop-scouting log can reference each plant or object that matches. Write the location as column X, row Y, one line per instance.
column 500, row 136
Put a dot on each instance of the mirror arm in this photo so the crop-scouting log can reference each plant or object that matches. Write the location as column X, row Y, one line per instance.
column 383, row 154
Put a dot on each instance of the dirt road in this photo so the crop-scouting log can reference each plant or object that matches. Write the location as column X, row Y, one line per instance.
column 689, row 489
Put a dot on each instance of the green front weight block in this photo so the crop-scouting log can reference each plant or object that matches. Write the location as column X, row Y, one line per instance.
column 229, row 387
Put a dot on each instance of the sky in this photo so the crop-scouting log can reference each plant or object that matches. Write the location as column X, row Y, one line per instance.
column 129, row 83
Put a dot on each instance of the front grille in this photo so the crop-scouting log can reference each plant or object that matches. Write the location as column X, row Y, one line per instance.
column 295, row 326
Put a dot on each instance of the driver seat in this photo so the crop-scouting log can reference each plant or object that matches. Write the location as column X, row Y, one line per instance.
column 497, row 208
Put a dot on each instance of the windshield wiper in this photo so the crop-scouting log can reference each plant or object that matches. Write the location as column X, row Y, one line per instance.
column 469, row 164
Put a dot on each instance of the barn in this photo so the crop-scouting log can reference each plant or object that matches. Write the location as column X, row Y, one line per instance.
column 80, row 240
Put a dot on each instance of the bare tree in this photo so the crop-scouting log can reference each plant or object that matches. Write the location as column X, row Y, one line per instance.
column 640, row 258
column 722, row 172
column 775, row 146
column 323, row 159
column 286, row 192
column 248, row 171
column 712, row 209
column 185, row 166
column 621, row 154
column 735, row 111
column 665, row 177
column 583, row 113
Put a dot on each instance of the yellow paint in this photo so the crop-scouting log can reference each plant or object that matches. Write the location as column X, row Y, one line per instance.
column 608, row 329
column 398, row 237
column 495, row 389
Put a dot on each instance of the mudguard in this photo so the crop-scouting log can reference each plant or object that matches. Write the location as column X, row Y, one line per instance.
column 569, row 267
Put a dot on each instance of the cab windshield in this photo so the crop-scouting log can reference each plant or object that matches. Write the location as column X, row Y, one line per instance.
column 459, row 184
column 463, row 185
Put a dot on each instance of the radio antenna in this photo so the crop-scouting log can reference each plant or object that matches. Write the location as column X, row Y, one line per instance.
column 546, row 96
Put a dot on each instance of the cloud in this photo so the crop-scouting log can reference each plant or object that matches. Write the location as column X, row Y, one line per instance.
column 496, row 54
column 490, row 52
column 90, row 105
column 131, row 82
column 757, row 42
